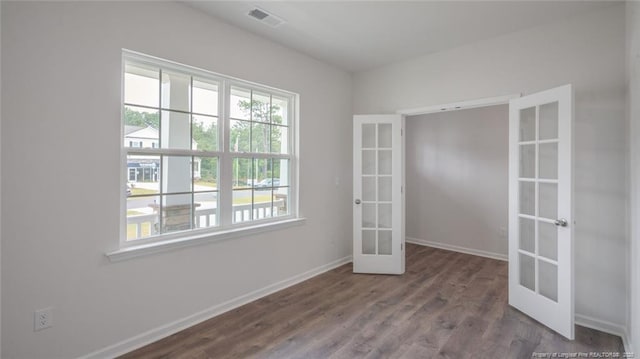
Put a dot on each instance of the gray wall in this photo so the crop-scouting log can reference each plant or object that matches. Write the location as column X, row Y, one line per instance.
column 587, row 51
column 633, row 67
column 457, row 179
column 61, row 67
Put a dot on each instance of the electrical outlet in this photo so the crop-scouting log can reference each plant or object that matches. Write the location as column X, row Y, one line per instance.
column 43, row 319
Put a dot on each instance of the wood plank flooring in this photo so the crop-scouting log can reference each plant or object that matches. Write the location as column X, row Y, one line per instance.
column 446, row 305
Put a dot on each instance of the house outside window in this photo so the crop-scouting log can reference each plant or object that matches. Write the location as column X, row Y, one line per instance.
column 202, row 152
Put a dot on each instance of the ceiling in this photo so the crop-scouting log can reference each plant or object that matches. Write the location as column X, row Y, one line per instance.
column 360, row 35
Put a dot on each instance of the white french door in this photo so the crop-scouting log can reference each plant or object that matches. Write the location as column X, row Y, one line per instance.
column 541, row 278
column 378, row 186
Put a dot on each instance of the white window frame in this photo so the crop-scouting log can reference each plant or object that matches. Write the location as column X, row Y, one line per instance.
column 225, row 228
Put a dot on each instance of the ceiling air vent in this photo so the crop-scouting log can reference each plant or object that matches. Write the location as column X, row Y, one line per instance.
column 265, row 17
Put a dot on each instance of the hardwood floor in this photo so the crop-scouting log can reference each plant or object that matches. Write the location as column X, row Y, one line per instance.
column 446, row 305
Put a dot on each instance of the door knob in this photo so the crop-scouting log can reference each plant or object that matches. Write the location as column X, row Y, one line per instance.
column 357, row 201
column 561, row 222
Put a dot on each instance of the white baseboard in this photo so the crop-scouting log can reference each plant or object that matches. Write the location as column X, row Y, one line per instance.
column 450, row 247
column 181, row 324
column 606, row 327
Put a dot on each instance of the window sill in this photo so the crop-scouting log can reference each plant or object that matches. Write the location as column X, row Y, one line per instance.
column 172, row 244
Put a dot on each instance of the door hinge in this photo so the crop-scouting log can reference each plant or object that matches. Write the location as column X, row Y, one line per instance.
column 401, row 246
column 401, row 132
column 401, row 189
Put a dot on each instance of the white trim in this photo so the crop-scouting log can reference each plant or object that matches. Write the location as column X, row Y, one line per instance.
column 155, row 334
column 606, row 327
column 460, row 105
column 451, row 247
column 125, row 253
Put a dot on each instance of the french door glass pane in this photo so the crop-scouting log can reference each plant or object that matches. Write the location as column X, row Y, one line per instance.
column 384, row 162
column 527, row 271
column 528, row 124
column 384, row 135
column 368, row 135
column 527, row 235
column 548, row 154
column 368, row 188
column 549, row 121
column 384, row 242
column 548, row 240
column 527, row 161
column 368, row 215
column 548, row 201
column 368, row 162
column 384, row 215
column 368, row 242
column 548, row 280
column 384, row 189
column 527, row 198
column 176, row 94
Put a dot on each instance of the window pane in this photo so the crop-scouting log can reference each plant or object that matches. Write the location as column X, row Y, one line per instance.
column 281, row 201
column 143, row 174
column 240, row 136
column 206, row 205
column 262, row 173
column 175, row 91
column 141, row 85
column 260, row 137
column 141, row 127
column 204, row 130
column 262, row 203
column 205, row 97
column 176, row 174
column 280, row 172
column 279, row 139
column 175, row 130
column 261, row 107
column 176, row 214
column 240, row 103
column 142, row 221
column 242, row 205
column 279, row 110
column 205, row 173
column 242, row 173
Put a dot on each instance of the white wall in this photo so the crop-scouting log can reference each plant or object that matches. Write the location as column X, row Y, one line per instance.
column 587, row 51
column 61, row 79
column 457, row 179
column 633, row 67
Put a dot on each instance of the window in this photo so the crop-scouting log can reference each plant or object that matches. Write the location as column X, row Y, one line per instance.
column 202, row 152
